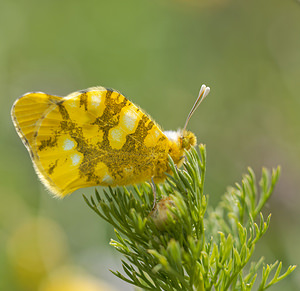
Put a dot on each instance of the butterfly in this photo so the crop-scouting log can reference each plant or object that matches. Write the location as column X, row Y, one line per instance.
column 96, row 137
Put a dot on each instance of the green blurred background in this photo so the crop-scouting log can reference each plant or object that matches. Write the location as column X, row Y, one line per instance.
column 158, row 53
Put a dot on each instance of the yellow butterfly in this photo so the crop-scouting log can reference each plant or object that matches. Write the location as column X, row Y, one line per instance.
column 96, row 137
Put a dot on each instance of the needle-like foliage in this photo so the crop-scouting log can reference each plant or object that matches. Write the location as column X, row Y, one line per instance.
column 179, row 245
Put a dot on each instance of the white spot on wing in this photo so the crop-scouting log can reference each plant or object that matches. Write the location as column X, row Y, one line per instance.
column 75, row 159
column 68, row 144
column 95, row 100
column 129, row 120
column 156, row 133
column 116, row 134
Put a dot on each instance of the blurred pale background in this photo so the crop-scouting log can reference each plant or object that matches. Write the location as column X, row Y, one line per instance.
column 157, row 53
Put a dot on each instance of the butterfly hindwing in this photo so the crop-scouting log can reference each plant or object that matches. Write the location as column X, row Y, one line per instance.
column 91, row 137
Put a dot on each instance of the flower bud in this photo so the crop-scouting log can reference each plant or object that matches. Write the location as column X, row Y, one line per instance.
column 161, row 215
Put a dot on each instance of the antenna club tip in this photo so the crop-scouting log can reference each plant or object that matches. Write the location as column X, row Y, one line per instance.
column 204, row 91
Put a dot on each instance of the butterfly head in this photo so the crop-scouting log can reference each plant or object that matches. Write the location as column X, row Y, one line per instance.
column 183, row 139
column 179, row 142
column 187, row 140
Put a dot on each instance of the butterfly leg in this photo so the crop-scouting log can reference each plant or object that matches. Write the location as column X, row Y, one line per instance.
column 153, row 187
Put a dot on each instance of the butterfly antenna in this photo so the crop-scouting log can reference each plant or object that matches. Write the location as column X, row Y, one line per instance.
column 202, row 94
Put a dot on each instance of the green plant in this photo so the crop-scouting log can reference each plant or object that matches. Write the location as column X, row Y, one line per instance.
column 181, row 246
